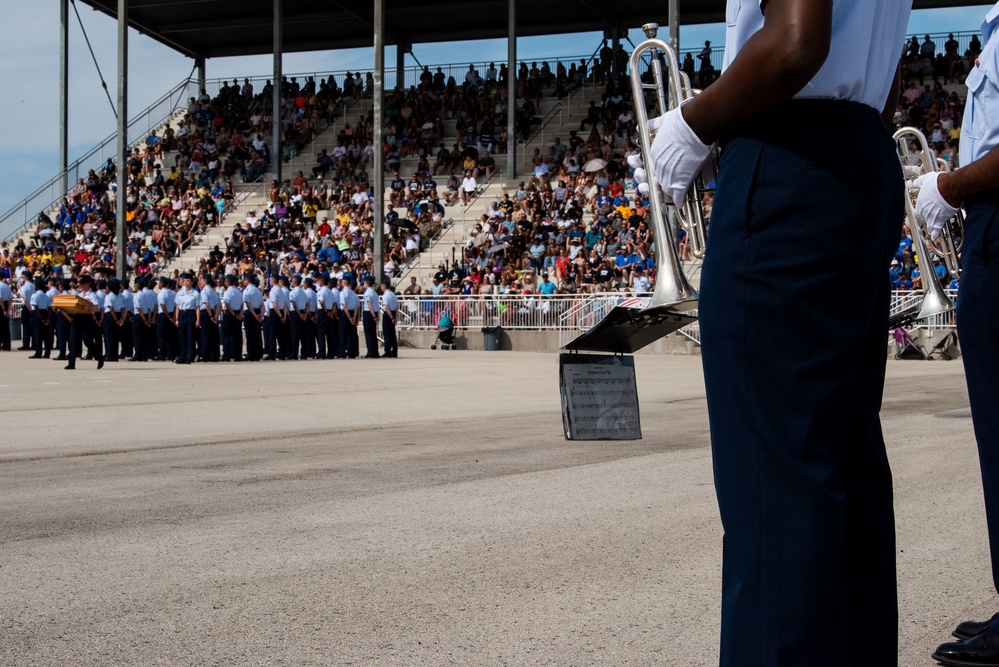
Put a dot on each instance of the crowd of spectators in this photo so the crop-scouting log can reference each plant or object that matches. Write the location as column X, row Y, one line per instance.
column 574, row 225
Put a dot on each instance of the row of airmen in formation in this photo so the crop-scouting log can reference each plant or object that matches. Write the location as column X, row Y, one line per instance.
column 292, row 318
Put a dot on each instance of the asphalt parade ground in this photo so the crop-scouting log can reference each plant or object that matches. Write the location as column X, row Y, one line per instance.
column 424, row 510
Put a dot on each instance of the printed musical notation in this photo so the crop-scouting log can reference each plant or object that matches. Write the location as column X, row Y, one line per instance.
column 600, row 400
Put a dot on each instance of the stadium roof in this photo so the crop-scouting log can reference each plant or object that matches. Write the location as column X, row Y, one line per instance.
column 217, row 28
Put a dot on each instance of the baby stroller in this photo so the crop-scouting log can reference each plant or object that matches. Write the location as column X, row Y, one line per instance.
column 908, row 348
column 445, row 332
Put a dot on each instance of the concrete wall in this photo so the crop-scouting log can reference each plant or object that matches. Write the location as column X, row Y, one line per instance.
column 534, row 341
column 675, row 343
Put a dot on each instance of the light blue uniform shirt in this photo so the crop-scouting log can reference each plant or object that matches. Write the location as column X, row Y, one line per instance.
column 324, row 298
column 980, row 128
column 166, row 298
column 863, row 54
column 6, row 294
column 112, row 303
column 390, row 301
column 233, row 298
column 145, row 301
column 40, row 300
column 187, row 299
column 300, row 299
column 349, row 301
column 313, row 300
column 371, row 297
column 26, row 290
column 127, row 302
column 208, row 299
column 101, row 298
column 253, row 297
column 278, row 299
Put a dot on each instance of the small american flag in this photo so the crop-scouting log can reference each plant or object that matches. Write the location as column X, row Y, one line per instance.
column 634, row 302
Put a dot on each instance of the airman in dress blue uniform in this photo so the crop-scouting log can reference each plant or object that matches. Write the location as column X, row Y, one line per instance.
column 973, row 185
column 186, row 316
column 801, row 474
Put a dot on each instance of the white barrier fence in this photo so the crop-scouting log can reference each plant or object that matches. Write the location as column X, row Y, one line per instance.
column 572, row 314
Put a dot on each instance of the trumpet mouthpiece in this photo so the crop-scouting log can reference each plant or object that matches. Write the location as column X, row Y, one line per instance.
column 650, row 29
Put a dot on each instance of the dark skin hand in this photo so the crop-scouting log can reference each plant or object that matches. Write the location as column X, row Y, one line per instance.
column 775, row 63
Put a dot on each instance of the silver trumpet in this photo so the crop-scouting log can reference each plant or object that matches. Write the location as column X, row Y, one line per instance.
column 627, row 329
column 913, row 147
column 935, row 300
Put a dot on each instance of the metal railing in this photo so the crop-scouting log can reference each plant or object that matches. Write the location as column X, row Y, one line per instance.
column 545, row 121
column 47, row 196
column 411, row 74
column 520, row 311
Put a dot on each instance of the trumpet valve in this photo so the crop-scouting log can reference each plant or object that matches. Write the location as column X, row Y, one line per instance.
column 650, row 30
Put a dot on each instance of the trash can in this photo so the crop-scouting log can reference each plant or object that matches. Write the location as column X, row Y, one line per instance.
column 15, row 329
column 491, row 337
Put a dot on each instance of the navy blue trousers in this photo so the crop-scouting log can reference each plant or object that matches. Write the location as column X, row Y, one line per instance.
column 978, row 330
column 186, row 333
column 794, row 318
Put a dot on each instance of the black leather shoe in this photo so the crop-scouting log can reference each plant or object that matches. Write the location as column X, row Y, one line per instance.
column 970, row 629
column 100, row 363
column 71, row 367
column 980, row 651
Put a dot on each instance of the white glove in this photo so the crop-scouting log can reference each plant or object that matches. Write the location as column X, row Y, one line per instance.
column 910, row 172
column 931, row 208
column 677, row 154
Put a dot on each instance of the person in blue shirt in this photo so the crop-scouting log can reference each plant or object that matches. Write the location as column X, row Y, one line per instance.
column 232, row 320
column 895, row 272
column 166, row 320
column 6, row 300
column 209, row 310
column 298, row 303
column 186, row 317
column 83, row 330
column 801, row 474
column 309, row 342
column 327, row 326
column 390, row 317
column 40, row 321
column 253, row 317
column 941, row 195
column 546, row 286
column 370, row 305
column 350, row 311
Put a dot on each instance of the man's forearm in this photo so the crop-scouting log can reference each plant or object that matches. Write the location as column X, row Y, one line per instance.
column 770, row 69
column 979, row 176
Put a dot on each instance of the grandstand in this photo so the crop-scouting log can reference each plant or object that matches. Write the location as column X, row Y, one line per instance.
column 569, row 113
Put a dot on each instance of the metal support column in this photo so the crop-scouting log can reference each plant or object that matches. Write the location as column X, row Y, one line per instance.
column 400, row 65
column 199, row 62
column 122, row 152
column 615, row 64
column 511, row 95
column 276, row 99
column 64, row 96
column 378, row 177
column 674, row 25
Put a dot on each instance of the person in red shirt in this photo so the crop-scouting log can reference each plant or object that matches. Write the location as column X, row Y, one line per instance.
column 323, row 228
column 615, row 189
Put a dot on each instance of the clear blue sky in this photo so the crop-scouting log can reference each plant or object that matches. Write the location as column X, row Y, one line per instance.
column 29, row 50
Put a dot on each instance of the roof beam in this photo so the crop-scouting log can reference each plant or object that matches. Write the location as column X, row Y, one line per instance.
column 249, row 22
